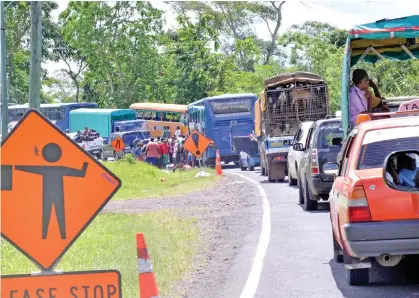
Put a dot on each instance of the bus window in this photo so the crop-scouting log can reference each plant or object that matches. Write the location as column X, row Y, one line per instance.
column 53, row 113
column 16, row 114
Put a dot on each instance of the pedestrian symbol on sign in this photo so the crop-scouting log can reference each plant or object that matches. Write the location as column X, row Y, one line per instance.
column 53, row 186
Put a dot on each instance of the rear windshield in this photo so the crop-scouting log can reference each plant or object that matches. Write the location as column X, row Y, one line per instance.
column 134, row 125
column 328, row 132
column 377, row 145
column 130, row 137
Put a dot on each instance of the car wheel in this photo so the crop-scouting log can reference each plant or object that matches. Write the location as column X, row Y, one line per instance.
column 262, row 170
column 100, row 155
column 356, row 277
column 251, row 168
column 241, row 166
column 291, row 181
column 115, row 155
column 309, row 204
column 337, row 250
column 300, row 192
column 270, row 179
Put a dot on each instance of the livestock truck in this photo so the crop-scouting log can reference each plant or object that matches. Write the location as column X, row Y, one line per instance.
column 287, row 100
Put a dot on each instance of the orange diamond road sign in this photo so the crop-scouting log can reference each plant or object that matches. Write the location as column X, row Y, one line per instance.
column 85, row 284
column 51, row 189
column 196, row 144
column 118, row 144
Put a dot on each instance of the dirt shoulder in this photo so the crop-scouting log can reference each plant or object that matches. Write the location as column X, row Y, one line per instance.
column 224, row 217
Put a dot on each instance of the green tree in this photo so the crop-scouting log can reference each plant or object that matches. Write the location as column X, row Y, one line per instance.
column 192, row 64
column 120, row 41
column 18, row 24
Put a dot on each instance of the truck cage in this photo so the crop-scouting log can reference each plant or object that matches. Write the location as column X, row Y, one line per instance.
column 292, row 98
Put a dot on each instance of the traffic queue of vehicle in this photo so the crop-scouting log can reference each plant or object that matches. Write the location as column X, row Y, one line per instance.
column 364, row 162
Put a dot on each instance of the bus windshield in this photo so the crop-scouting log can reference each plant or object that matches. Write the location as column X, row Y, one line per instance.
column 132, row 125
column 128, row 138
column 230, row 106
column 160, row 116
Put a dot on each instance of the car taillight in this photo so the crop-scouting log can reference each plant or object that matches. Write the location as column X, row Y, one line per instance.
column 278, row 158
column 358, row 209
column 314, row 162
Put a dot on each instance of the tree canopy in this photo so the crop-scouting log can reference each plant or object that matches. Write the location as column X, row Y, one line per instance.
column 117, row 53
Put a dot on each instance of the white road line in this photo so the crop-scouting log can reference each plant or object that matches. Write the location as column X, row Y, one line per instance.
column 252, row 282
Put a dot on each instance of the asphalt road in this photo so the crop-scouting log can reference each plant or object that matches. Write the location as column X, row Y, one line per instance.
column 299, row 260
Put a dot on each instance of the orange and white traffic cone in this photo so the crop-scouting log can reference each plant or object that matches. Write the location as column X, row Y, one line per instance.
column 147, row 281
column 218, row 164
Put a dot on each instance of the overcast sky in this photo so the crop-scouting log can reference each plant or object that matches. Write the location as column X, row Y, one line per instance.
column 342, row 14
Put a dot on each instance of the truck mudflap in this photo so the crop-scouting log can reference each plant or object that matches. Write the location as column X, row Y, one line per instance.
column 276, row 171
column 277, row 165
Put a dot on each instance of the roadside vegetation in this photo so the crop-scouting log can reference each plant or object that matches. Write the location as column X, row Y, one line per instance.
column 109, row 243
column 140, row 180
column 212, row 49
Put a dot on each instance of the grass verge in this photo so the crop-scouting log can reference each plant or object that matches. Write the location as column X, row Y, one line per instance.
column 109, row 243
column 140, row 180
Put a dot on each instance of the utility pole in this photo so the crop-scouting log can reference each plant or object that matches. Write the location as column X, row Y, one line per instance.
column 36, row 55
column 3, row 70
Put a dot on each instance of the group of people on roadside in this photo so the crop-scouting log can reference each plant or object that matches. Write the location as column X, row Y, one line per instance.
column 165, row 150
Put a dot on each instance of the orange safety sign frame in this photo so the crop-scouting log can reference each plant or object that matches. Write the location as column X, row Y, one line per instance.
column 100, row 283
column 51, row 189
column 196, row 144
column 118, row 144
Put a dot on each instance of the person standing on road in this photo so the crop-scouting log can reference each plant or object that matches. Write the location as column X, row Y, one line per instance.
column 152, row 152
column 139, row 151
column 171, row 143
column 165, row 153
column 166, row 132
column 178, row 132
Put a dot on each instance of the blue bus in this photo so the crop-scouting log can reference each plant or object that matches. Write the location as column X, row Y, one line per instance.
column 57, row 113
column 221, row 118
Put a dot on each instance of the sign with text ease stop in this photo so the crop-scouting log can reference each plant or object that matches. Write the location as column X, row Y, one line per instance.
column 97, row 284
column 51, row 189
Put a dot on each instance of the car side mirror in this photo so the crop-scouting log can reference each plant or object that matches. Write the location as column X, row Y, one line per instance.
column 298, row 147
column 331, row 168
column 395, row 164
column 337, row 142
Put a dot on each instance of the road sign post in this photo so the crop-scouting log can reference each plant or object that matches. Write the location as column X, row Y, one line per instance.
column 196, row 144
column 51, row 191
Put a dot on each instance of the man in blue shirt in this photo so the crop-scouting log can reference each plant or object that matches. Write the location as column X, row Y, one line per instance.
column 408, row 175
